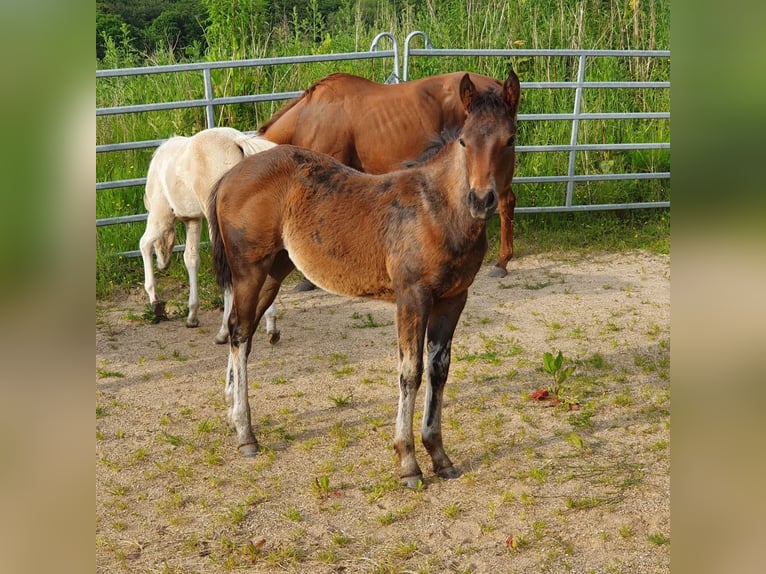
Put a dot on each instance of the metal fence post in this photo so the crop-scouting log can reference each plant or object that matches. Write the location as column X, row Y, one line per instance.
column 410, row 36
column 575, row 129
column 393, row 78
column 209, row 109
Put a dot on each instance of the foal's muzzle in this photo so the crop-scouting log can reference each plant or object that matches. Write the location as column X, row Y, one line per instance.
column 482, row 207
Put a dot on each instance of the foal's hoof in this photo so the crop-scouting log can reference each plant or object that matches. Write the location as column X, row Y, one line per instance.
column 249, row 450
column 304, row 285
column 274, row 337
column 413, row 482
column 497, row 272
column 450, row 472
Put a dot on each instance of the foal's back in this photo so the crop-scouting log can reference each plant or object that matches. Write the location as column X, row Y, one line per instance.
column 331, row 218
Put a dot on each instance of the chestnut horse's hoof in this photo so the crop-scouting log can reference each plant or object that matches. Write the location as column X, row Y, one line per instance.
column 249, row 450
column 414, row 482
column 193, row 323
column 274, row 337
column 497, row 272
column 450, row 472
column 304, row 285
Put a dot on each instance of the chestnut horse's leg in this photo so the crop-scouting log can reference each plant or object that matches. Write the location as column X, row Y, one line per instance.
column 441, row 327
column 191, row 260
column 506, row 208
column 412, row 311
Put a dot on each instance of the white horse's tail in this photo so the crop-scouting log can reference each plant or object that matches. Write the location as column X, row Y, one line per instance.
column 252, row 144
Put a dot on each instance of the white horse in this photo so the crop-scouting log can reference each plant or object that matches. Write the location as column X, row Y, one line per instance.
column 181, row 175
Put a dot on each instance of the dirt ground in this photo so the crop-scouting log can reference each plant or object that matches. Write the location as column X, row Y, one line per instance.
column 582, row 486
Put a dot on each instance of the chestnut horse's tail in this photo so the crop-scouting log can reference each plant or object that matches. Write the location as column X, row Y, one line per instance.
column 220, row 262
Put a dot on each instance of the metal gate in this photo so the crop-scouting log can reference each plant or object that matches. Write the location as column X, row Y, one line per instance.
column 576, row 117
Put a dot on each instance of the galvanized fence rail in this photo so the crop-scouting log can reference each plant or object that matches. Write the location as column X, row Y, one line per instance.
column 576, row 117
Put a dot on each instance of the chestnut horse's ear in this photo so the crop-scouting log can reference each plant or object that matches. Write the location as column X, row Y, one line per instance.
column 467, row 91
column 512, row 90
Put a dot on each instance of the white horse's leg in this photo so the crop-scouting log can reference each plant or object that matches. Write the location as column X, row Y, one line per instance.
column 150, row 284
column 159, row 226
column 223, row 333
column 271, row 323
column 270, row 316
column 191, row 259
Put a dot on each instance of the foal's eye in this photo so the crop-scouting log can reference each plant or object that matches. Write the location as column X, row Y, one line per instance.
column 511, row 141
column 461, row 142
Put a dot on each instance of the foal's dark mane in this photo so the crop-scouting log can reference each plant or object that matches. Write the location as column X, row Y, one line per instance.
column 434, row 146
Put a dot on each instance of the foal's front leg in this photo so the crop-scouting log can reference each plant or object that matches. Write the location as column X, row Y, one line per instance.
column 411, row 317
column 441, row 327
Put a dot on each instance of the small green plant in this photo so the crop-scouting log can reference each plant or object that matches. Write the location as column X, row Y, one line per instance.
column 658, row 539
column 366, row 322
column 293, row 515
column 554, row 366
column 341, row 400
column 452, row 510
column 321, row 486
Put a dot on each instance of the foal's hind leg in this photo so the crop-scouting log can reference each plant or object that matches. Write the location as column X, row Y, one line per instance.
column 242, row 324
column 253, row 293
column 191, row 259
column 441, row 326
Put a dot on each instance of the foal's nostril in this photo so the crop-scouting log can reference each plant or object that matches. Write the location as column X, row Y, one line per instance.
column 491, row 201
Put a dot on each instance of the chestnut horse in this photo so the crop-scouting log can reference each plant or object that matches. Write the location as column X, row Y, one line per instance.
column 181, row 175
column 375, row 128
column 415, row 237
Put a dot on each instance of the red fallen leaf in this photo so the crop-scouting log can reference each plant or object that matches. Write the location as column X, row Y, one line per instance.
column 260, row 544
column 336, row 493
column 509, row 542
column 540, row 395
column 574, row 407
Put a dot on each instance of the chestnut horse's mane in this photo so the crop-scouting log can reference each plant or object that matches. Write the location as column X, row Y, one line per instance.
column 290, row 105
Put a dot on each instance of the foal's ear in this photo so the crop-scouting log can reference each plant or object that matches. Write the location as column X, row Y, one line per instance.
column 467, row 91
column 512, row 90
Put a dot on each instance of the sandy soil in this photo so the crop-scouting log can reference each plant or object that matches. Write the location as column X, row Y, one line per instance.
column 545, row 488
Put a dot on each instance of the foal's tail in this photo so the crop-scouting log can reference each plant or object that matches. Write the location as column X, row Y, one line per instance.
column 220, row 262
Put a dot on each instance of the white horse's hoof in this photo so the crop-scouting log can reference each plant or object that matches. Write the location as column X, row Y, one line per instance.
column 274, row 337
column 221, row 338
